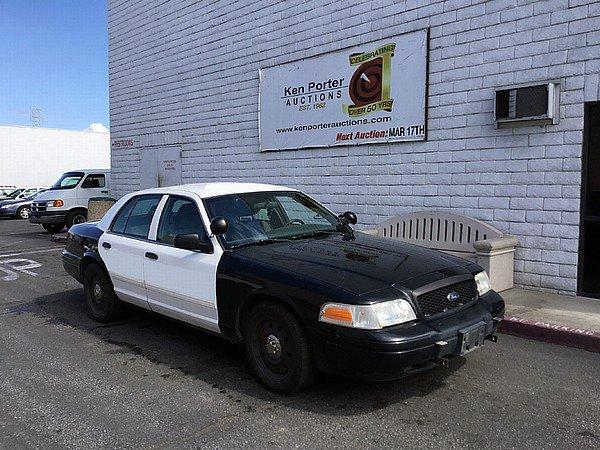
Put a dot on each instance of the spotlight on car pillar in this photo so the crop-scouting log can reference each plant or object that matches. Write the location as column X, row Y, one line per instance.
column 349, row 217
column 218, row 226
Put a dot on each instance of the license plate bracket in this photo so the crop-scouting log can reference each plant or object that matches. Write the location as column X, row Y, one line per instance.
column 471, row 338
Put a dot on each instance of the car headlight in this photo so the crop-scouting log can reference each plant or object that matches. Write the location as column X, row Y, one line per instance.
column 368, row 317
column 483, row 283
column 5, row 206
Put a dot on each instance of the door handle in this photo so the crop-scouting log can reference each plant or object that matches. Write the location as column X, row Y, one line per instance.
column 104, row 192
column 151, row 255
column 106, row 245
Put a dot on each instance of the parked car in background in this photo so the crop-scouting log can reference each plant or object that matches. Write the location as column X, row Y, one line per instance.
column 19, row 207
column 21, row 193
column 65, row 203
column 5, row 190
column 11, row 193
column 270, row 268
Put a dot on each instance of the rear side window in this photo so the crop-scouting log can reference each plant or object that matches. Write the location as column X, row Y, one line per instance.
column 135, row 217
column 180, row 216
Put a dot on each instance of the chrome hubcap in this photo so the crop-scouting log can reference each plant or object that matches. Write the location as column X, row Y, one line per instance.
column 97, row 291
column 25, row 213
column 273, row 346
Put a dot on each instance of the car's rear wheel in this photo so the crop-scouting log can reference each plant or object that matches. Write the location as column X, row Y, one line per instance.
column 53, row 227
column 23, row 212
column 278, row 348
column 75, row 217
column 103, row 304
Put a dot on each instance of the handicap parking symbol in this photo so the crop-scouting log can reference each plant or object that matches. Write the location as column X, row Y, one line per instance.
column 10, row 269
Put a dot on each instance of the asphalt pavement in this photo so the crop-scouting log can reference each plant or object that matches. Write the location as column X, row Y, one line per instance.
column 146, row 381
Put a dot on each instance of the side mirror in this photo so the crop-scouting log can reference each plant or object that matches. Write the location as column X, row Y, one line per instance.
column 218, row 226
column 192, row 242
column 349, row 217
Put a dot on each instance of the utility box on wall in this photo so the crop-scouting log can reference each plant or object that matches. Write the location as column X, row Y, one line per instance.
column 160, row 166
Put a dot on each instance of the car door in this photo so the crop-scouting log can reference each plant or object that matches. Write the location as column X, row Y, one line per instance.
column 123, row 246
column 182, row 283
column 94, row 185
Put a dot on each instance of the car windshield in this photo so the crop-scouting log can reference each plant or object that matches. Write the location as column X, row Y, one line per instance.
column 68, row 181
column 14, row 193
column 263, row 217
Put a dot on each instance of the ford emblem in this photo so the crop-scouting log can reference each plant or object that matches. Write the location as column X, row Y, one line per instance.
column 453, row 296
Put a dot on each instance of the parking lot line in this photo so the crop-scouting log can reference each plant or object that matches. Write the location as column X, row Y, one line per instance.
column 31, row 252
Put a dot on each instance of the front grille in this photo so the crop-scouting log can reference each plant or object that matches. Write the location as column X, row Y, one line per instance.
column 442, row 300
column 38, row 206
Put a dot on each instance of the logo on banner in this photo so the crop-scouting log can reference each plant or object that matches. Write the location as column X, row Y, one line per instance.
column 369, row 87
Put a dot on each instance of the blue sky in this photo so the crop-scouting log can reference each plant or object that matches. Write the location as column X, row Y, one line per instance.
column 54, row 56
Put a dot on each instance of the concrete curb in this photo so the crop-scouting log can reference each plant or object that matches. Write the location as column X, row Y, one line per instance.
column 547, row 332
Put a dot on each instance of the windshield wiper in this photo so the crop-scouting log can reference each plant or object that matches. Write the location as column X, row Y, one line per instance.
column 313, row 234
column 260, row 242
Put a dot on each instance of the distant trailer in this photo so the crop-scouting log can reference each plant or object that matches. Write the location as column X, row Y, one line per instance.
column 35, row 156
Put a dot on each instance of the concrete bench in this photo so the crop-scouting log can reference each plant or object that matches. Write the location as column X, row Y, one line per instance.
column 458, row 235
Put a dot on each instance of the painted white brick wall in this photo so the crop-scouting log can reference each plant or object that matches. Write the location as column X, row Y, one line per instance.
column 191, row 67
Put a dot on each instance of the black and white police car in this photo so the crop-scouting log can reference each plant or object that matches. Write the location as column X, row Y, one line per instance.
column 271, row 268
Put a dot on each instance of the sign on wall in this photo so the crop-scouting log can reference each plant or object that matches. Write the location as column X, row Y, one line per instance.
column 370, row 93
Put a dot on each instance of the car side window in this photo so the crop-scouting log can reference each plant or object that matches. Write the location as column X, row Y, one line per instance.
column 94, row 180
column 119, row 222
column 180, row 216
column 135, row 217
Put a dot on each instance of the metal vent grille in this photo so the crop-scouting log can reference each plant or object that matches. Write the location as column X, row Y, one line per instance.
column 532, row 101
column 443, row 299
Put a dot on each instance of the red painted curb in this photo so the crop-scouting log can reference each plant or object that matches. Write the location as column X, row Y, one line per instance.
column 552, row 333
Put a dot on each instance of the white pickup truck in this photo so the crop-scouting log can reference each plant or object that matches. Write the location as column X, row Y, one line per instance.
column 65, row 203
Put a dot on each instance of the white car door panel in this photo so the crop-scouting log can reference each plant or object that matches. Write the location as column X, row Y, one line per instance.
column 123, row 248
column 124, row 262
column 182, row 283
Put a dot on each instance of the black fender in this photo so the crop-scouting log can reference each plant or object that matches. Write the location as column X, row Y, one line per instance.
column 89, row 257
column 257, row 296
column 242, row 282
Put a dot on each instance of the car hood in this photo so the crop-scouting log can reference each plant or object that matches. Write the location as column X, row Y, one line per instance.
column 13, row 202
column 54, row 194
column 362, row 265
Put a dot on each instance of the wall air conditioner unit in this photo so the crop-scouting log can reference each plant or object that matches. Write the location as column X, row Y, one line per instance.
column 527, row 105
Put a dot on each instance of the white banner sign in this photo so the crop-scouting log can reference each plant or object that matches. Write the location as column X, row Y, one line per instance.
column 374, row 92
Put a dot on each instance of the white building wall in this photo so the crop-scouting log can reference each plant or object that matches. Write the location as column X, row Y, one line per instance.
column 192, row 68
column 36, row 157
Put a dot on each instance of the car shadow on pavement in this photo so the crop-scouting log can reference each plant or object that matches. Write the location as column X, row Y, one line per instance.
column 183, row 351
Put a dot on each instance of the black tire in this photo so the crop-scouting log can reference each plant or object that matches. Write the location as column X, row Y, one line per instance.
column 103, row 304
column 278, row 349
column 53, row 227
column 75, row 217
column 23, row 212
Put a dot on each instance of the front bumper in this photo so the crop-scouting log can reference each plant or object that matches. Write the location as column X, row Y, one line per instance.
column 396, row 351
column 51, row 217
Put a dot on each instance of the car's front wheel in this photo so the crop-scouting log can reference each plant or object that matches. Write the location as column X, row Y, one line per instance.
column 23, row 212
column 278, row 348
column 103, row 304
column 76, row 217
column 53, row 227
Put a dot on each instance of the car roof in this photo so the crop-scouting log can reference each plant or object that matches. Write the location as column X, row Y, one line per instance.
column 88, row 170
column 207, row 190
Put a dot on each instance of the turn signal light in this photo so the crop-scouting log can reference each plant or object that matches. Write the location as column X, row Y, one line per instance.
column 336, row 314
column 57, row 204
